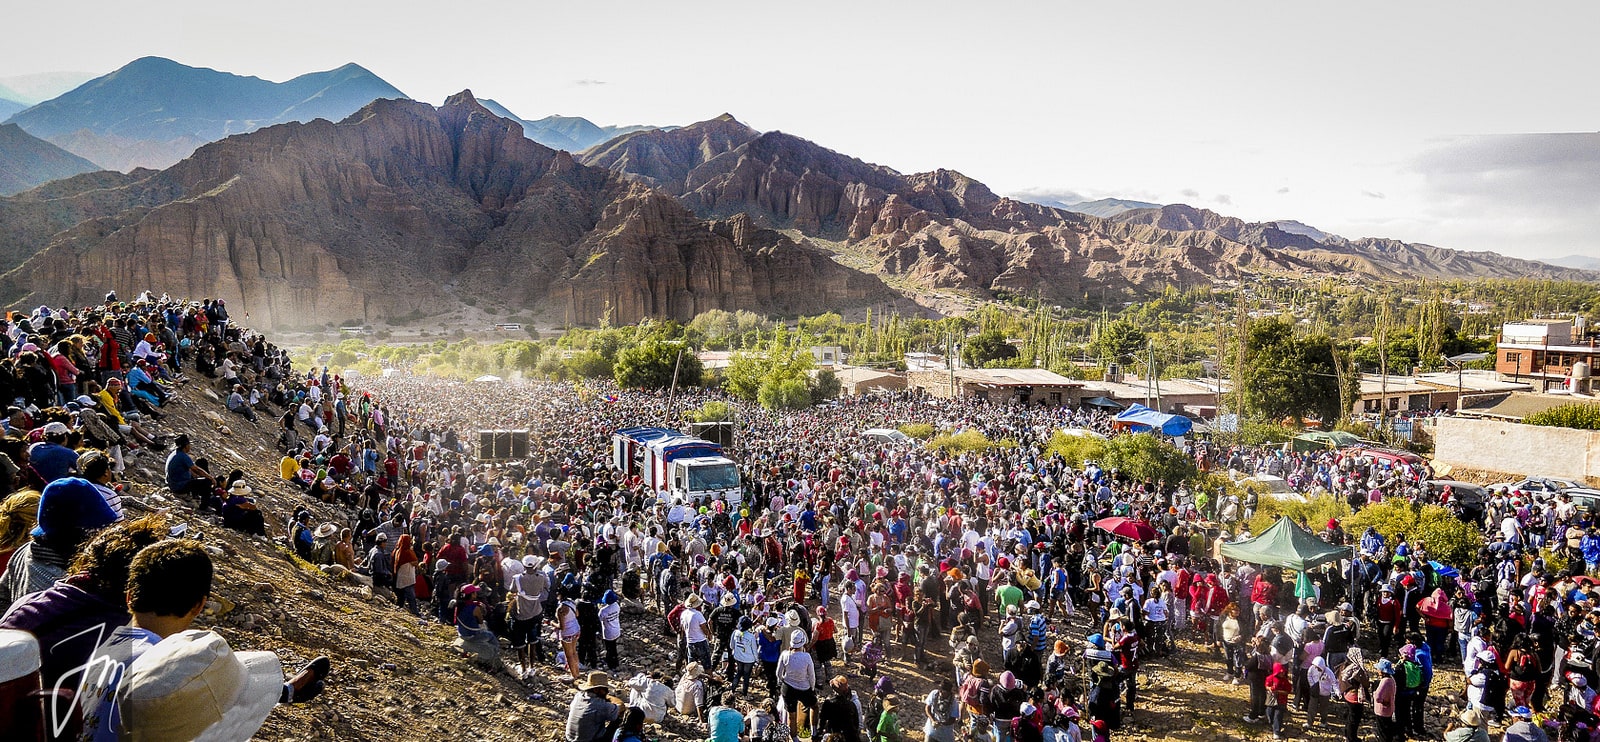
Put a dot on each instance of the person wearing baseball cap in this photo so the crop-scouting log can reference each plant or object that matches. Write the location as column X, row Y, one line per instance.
column 51, row 458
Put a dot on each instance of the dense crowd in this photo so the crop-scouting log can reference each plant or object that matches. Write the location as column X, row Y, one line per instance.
column 799, row 610
column 847, row 552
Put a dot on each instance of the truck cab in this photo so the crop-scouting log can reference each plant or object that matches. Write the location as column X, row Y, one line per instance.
column 674, row 465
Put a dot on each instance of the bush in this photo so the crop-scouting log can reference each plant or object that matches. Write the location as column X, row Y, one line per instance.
column 967, row 441
column 1447, row 538
column 1146, row 457
column 784, row 394
column 825, row 386
column 713, row 411
column 1313, row 513
column 919, row 431
column 1262, row 433
column 1076, row 449
column 589, row 364
column 1580, row 415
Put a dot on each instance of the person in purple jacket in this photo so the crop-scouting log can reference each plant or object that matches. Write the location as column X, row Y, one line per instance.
column 73, row 616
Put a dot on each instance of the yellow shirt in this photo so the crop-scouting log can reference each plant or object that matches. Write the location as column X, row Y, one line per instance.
column 108, row 405
column 288, row 468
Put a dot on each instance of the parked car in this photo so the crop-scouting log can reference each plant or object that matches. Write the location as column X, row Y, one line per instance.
column 1390, row 456
column 885, row 435
column 1584, row 497
column 1549, row 485
column 1471, row 496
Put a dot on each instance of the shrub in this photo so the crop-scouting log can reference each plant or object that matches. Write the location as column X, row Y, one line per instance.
column 1076, row 449
column 712, row 411
column 1144, row 456
column 919, row 431
column 1580, row 415
column 1315, row 512
column 966, row 441
column 1263, row 433
column 1448, row 538
column 784, row 394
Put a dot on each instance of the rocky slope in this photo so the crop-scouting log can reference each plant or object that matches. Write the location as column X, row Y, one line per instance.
column 153, row 111
column 943, row 230
column 396, row 210
column 27, row 161
column 1369, row 255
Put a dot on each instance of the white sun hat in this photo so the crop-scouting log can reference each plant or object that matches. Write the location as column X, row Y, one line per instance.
column 193, row 686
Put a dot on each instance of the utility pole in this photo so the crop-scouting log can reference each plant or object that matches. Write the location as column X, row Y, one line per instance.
column 1238, row 361
column 672, row 396
column 1219, row 364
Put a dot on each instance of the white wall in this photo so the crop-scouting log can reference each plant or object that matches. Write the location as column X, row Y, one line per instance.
column 1514, row 448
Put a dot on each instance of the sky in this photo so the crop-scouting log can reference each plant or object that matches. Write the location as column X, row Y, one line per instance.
column 1463, row 124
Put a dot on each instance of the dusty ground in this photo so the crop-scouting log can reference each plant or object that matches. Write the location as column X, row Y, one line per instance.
column 395, row 677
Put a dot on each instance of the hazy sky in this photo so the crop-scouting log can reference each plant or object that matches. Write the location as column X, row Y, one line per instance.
column 1361, row 118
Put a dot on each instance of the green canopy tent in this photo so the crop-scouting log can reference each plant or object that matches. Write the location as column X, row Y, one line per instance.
column 1285, row 545
column 1316, row 440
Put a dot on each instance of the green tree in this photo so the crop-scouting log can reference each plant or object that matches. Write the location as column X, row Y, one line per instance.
column 982, row 349
column 825, row 386
column 650, row 365
column 1147, row 457
column 589, row 364
column 784, row 393
column 743, row 376
column 1119, row 342
column 1291, row 377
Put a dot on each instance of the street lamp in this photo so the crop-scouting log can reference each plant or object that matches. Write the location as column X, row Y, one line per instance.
column 1459, row 362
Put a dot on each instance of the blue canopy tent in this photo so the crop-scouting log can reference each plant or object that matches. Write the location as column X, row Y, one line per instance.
column 1141, row 418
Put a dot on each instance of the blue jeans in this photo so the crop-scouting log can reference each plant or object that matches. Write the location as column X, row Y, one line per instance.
column 741, row 673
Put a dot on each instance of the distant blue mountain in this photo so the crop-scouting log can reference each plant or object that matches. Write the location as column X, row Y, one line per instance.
column 8, row 107
column 571, row 133
column 154, row 111
column 1102, row 207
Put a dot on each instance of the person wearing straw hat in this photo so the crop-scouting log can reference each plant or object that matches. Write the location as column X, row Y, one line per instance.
column 1467, row 727
column 592, row 716
column 193, row 686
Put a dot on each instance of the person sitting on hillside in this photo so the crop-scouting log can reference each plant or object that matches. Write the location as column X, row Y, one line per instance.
column 239, row 511
column 184, row 477
column 142, row 385
column 72, row 616
column 167, row 587
column 71, row 510
column 188, row 686
column 239, row 405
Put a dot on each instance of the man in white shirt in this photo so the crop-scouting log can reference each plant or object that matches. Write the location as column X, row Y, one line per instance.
column 693, row 623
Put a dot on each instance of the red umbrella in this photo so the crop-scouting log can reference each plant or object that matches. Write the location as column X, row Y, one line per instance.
column 1127, row 528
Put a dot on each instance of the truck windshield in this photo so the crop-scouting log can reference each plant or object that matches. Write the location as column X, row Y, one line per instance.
column 713, row 477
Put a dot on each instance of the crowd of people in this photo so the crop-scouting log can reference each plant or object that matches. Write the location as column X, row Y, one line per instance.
column 984, row 569
column 99, row 592
column 851, row 568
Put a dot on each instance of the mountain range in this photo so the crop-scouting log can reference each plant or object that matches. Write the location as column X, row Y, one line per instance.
column 154, row 112
column 570, row 133
column 1095, row 207
column 401, row 208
